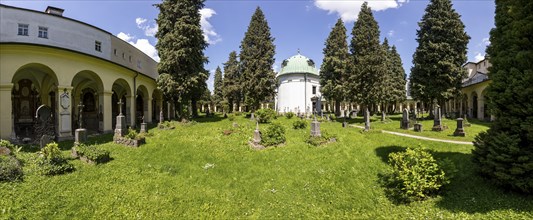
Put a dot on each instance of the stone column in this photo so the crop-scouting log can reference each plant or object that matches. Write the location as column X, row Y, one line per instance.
column 130, row 109
column 5, row 110
column 480, row 107
column 108, row 111
column 148, row 112
column 64, row 121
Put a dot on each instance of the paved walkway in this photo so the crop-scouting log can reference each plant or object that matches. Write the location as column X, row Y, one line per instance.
column 419, row 137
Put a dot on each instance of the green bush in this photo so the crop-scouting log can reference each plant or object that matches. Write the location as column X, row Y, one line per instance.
column 231, row 117
column 273, row 135
column 10, row 169
column 289, row 115
column 299, row 124
column 6, row 143
column 51, row 161
column 323, row 139
column 333, row 117
column 92, row 153
column 265, row 115
column 415, row 175
column 132, row 134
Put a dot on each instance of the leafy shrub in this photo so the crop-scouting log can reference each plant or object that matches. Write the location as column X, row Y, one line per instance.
column 320, row 140
column 289, row 115
column 6, row 143
column 333, row 117
column 265, row 115
column 273, row 135
column 52, row 162
column 93, row 153
column 132, row 134
column 231, row 117
column 237, row 113
column 415, row 175
column 10, row 169
column 166, row 125
column 299, row 124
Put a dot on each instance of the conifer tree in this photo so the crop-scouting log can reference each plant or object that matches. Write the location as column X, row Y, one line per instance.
column 180, row 45
column 232, row 89
column 387, row 77
column 367, row 69
column 218, row 87
column 505, row 152
column 437, row 72
column 333, row 69
column 256, row 60
column 398, row 75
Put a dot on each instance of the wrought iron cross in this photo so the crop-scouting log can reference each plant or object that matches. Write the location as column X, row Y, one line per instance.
column 80, row 108
column 120, row 103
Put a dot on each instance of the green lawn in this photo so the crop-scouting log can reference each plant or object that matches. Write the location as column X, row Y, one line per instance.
column 194, row 171
column 393, row 124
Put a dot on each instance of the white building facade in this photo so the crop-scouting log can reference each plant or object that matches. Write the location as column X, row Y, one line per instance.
column 298, row 86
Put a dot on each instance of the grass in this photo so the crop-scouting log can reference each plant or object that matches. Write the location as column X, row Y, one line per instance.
column 393, row 124
column 197, row 171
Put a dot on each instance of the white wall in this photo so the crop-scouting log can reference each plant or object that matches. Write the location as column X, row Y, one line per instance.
column 293, row 94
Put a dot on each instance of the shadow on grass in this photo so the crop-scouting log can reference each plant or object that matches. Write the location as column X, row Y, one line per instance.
column 468, row 192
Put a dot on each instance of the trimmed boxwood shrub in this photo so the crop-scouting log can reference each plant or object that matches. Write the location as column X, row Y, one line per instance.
column 265, row 115
column 273, row 135
column 289, row 115
column 415, row 175
column 10, row 168
column 92, row 153
column 299, row 124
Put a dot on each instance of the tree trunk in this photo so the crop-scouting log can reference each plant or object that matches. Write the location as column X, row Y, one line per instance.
column 194, row 108
column 337, row 108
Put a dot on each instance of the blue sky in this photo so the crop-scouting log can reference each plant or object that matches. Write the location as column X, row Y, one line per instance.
column 300, row 24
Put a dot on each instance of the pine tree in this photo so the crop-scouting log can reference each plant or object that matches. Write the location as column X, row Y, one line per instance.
column 256, row 59
column 388, row 77
column 367, row 69
column 333, row 69
column 232, row 89
column 437, row 72
column 218, row 87
column 505, row 152
column 180, row 45
column 398, row 75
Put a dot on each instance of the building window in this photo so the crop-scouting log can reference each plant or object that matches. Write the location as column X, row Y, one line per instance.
column 23, row 29
column 115, row 52
column 314, row 90
column 43, row 32
column 123, row 57
column 98, row 46
column 138, row 64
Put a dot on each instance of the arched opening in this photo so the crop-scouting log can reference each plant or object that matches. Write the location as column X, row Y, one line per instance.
column 474, row 105
column 33, row 85
column 486, row 112
column 87, row 102
column 141, row 105
column 157, row 101
column 122, row 92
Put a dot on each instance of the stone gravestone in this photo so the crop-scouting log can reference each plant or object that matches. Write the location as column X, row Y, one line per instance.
column 80, row 134
column 120, row 127
column 382, row 115
column 437, row 122
column 404, row 124
column 252, row 117
column 459, row 131
column 143, row 126
column 315, row 128
column 45, row 124
column 257, row 134
column 161, row 117
column 418, row 127
column 367, row 120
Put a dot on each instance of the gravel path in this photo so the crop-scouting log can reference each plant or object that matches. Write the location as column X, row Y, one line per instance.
column 419, row 137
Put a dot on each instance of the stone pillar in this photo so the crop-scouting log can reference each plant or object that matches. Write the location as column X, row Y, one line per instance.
column 108, row 111
column 257, row 134
column 130, row 108
column 437, row 122
column 5, row 110
column 315, row 128
column 459, row 131
column 148, row 112
column 480, row 107
column 64, row 121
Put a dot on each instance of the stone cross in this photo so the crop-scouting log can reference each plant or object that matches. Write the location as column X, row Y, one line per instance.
column 120, row 103
column 80, row 107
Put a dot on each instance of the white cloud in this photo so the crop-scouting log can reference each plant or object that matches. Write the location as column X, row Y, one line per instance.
column 479, row 57
column 149, row 29
column 486, row 41
column 349, row 9
column 142, row 44
column 210, row 35
column 391, row 33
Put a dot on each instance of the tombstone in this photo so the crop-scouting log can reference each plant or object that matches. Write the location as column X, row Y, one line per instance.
column 44, row 123
column 235, row 125
column 382, row 115
column 367, row 120
column 143, row 126
column 459, row 131
column 45, row 139
column 252, row 117
column 257, row 134
column 437, row 122
column 354, row 114
column 120, row 127
column 404, row 124
column 315, row 128
column 418, row 127
column 80, row 134
column 161, row 117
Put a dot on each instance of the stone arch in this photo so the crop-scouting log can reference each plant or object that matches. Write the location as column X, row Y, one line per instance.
column 34, row 84
column 142, row 100
column 121, row 91
column 157, row 102
column 485, row 113
column 474, row 104
column 88, row 91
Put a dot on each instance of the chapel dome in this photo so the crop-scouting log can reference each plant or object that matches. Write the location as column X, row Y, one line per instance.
column 298, row 64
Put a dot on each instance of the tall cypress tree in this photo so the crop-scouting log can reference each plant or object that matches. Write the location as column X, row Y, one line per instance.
column 218, row 87
column 367, row 69
column 387, row 77
column 437, row 72
column 398, row 75
column 333, row 69
column 232, row 89
column 505, row 152
column 180, row 45
column 256, row 59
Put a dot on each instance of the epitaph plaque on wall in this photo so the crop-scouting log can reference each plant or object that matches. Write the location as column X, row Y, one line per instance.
column 64, row 100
